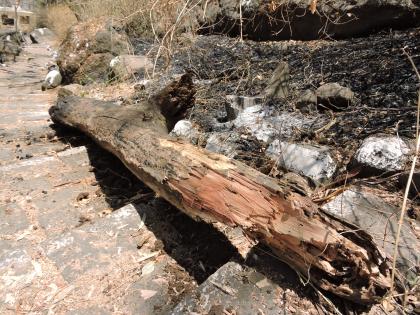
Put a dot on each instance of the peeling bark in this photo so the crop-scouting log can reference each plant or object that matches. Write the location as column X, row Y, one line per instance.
column 336, row 256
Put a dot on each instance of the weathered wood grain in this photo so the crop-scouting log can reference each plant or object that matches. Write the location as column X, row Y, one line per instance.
column 335, row 255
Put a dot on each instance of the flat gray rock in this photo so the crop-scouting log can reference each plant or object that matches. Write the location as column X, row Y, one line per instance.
column 256, row 120
column 311, row 161
column 278, row 85
column 334, row 96
column 380, row 154
column 236, row 289
column 266, row 124
column 185, row 129
column 379, row 219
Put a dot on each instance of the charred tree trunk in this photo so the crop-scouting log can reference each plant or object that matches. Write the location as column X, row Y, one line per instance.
column 336, row 256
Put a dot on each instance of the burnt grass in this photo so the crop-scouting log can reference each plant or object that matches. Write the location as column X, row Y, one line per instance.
column 374, row 67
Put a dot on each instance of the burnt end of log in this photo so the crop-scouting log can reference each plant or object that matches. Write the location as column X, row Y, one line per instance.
column 176, row 99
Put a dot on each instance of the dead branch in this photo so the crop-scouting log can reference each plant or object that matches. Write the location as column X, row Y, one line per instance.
column 337, row 256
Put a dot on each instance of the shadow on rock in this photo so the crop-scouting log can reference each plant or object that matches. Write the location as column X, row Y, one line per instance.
column 196, row 246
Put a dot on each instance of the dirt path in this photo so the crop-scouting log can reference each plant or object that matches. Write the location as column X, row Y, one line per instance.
column 63, row 248
column 24, row 108
column 79, row 234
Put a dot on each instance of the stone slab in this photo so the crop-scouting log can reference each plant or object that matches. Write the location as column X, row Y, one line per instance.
column 379, row 219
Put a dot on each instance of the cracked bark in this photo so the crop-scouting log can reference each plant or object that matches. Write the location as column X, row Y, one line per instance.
column 337, row 256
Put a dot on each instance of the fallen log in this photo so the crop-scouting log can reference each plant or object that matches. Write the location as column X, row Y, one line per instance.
column 334, row 255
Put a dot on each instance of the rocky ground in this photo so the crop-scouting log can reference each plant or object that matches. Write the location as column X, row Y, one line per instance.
column 83, row 236
column 341, row 114
column 234, row 115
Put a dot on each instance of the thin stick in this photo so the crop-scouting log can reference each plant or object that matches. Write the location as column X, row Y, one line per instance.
column 240, row 20
column 410, row 178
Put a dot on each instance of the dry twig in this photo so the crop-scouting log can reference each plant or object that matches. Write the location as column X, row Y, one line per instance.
column 410, row 178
